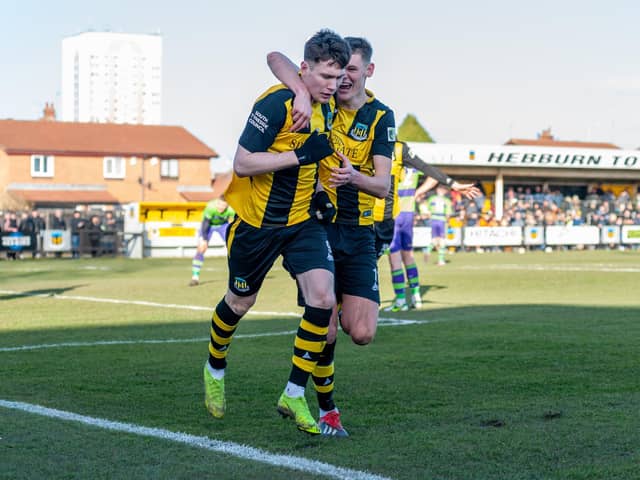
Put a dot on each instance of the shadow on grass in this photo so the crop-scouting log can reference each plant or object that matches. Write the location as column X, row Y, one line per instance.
column 44, row 292
column 424, row 290
column 536, row 316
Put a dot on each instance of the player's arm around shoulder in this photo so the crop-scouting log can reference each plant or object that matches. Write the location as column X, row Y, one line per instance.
column 287, row 72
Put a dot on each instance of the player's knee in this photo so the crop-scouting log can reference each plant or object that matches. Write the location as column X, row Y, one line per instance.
column 362, row 334
column 364, row 337
column 240, row 305
column 324, row 299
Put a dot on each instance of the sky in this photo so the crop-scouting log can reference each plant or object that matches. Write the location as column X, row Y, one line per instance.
column 471, row 72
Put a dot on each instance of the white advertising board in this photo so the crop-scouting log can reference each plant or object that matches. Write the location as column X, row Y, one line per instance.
column 630, row 234
column 167, row 234
column 422, row 237
column 610, row 234
column 534, row 235
column 492, row 236
column 56, row 240
column 570, row 235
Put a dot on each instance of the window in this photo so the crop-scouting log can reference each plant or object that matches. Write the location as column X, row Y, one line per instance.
column 42, row 165
column 169, row 168
column 113, row 167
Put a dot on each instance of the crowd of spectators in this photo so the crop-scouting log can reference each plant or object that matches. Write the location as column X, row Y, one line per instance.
column 96, row 233
column 92, row 232
column 540, row 206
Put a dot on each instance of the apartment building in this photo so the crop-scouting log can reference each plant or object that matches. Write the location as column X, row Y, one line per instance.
column 112, row 78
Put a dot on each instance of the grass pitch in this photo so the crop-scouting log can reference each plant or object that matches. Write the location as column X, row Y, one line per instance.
column 519, row 367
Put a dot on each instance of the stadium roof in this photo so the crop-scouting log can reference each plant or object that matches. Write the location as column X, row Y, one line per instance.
column 545, row 139
column 87, row 139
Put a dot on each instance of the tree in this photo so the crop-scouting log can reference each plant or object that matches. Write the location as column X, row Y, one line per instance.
column 410, row 130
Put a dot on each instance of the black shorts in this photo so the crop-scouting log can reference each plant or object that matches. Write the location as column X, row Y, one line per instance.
column 355, row 258
column 384, row 235
column 252, row 252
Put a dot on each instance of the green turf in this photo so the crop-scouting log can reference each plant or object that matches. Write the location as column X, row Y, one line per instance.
column 525, row 367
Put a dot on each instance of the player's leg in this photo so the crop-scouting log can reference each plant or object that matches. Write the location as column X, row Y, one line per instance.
column 249, row 259
column 442, row 250
column 357, row 288
column 308, row 256
column 198, row 258
column 398, row 282
column 359, row 320
column 402, row 240
column 397, row 274
column 438, row 232
column 413, row 278
column 224, row 322
column 409, row 263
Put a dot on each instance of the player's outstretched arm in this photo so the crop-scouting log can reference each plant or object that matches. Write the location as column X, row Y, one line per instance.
column 409, row 158
column 468, row 190
column 422, row 190
column 287, row 72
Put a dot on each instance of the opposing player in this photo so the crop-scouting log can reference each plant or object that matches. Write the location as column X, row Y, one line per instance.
column 363, row 136
column 275, row 176
column 216, row 217
column 394, row 220
column 439, row 210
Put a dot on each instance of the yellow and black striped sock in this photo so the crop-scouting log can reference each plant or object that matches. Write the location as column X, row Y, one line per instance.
column 223, row 324
column 309, row 343
column 323, row 378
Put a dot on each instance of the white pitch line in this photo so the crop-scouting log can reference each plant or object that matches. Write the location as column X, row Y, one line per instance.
column 205, row 443
column 170, row 305
column 138, row 302
column 133, row 342
column 555, row 268
column 384, row 322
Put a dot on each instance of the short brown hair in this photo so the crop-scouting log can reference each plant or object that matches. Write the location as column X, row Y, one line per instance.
column 327, row 45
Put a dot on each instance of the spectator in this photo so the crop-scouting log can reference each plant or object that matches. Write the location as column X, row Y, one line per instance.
column 95, row 229
column 57, row 221
column 110, row 228
column 39, row 226
column 78, row 225
column 487, row 220
column 459, row 220
column 517, row 220
column 11, row 225
column 10, row 222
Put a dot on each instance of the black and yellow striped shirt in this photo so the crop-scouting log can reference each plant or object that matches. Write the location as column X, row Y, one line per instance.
column 389, row 207
column 279, row 198
column 359, row 135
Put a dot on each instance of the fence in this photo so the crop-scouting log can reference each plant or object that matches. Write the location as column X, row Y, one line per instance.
column 555, row 235
column 86, row 242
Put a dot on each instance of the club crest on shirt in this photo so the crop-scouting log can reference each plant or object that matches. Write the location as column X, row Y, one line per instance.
column 359, row 131
column 329, row 119
column 391, row 134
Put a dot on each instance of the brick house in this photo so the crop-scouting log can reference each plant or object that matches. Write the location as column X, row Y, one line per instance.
column 47, row 163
